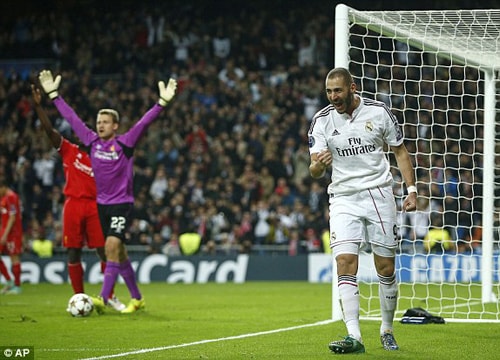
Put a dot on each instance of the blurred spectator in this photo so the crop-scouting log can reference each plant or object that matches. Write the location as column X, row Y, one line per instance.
column 267, row 182
column 246, row 233
column 41, row 245
column 221, row 44
column 316, row 197
column 451, row 208
column 325, row 238
column 306, row 54
column 418, row 223
column 159, row 186
column 168, row 156
column 281, row 225
column 438, row 239
column 189, row 242
column 44, row 167
column 294, row 243
column 171, row 248
column 157, row 244
column 139, row 233
column 40, row 204
column 298, row 213
column 300, row 160
column 231, row 74
column 312, row 241
column 183, row 40
column 197, row 142
column 155, row 29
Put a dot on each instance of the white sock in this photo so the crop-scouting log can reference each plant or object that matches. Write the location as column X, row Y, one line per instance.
column 349, row 297
column 388, row 294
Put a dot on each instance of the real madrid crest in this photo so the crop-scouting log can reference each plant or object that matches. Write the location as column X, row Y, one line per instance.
column 368, row 126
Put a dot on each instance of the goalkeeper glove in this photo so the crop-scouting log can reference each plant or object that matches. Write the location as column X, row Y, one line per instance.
column 49, row 84
column 166, row 92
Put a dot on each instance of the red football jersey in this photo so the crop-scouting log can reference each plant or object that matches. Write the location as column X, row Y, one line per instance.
column 10, row 205
column 80, row 181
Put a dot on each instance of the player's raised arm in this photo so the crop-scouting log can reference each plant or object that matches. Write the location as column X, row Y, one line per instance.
column 53, row 134
column 167, row 92
column 50, row 85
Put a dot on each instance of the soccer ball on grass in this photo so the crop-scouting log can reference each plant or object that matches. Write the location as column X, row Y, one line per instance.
column 80, row 305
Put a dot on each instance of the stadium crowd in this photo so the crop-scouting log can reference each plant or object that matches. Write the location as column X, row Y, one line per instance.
column 228, row 159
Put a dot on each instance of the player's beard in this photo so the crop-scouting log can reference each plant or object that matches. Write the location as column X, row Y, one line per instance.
column 345, row 105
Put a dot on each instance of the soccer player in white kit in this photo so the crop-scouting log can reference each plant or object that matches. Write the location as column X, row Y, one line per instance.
column 349, row 135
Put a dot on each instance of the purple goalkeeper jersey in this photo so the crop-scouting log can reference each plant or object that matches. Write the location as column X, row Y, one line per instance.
column 112, row 160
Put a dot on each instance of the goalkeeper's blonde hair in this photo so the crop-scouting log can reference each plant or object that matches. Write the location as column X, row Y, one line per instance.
column 114, row 114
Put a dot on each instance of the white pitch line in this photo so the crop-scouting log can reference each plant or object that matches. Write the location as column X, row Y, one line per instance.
column 144, row 351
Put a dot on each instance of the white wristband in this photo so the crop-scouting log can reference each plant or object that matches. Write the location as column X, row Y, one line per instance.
column 411, row 189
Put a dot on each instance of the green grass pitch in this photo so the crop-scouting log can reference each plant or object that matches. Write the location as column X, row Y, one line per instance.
column 254, row 320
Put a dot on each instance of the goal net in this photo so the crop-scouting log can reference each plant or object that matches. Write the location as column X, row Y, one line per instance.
column 438, row 72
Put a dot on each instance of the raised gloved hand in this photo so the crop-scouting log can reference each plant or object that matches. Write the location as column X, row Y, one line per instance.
column 49, row 84
column 166, row 92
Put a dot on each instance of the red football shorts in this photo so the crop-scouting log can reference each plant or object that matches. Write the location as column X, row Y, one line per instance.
column 81, row 225
column 12, row 246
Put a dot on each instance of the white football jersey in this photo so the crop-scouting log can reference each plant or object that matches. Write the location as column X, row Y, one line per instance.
column 357, row 145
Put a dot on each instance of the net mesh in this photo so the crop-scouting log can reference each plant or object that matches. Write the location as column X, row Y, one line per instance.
column 436, row 90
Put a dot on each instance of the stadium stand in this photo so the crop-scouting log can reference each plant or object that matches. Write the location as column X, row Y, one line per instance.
column 229, row 148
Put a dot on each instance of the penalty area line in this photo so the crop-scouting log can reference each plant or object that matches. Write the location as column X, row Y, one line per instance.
column 243, row 336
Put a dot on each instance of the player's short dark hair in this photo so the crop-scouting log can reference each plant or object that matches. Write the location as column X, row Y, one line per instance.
column 342, row 73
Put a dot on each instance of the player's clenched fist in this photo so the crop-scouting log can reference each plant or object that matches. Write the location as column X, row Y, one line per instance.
column 49, row 84
column 325, row 157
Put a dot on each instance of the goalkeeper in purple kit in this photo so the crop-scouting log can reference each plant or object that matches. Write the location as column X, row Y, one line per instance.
column 112, row 162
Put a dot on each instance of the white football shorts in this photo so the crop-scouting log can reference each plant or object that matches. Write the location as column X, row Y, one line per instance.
column 368, row 216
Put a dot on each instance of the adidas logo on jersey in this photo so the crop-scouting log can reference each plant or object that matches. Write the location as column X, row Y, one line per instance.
column 335, row 132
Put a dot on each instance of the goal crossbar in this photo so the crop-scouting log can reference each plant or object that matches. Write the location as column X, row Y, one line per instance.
column 466, row 36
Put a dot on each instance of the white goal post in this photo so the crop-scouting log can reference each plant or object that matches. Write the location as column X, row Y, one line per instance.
column 438, row 72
